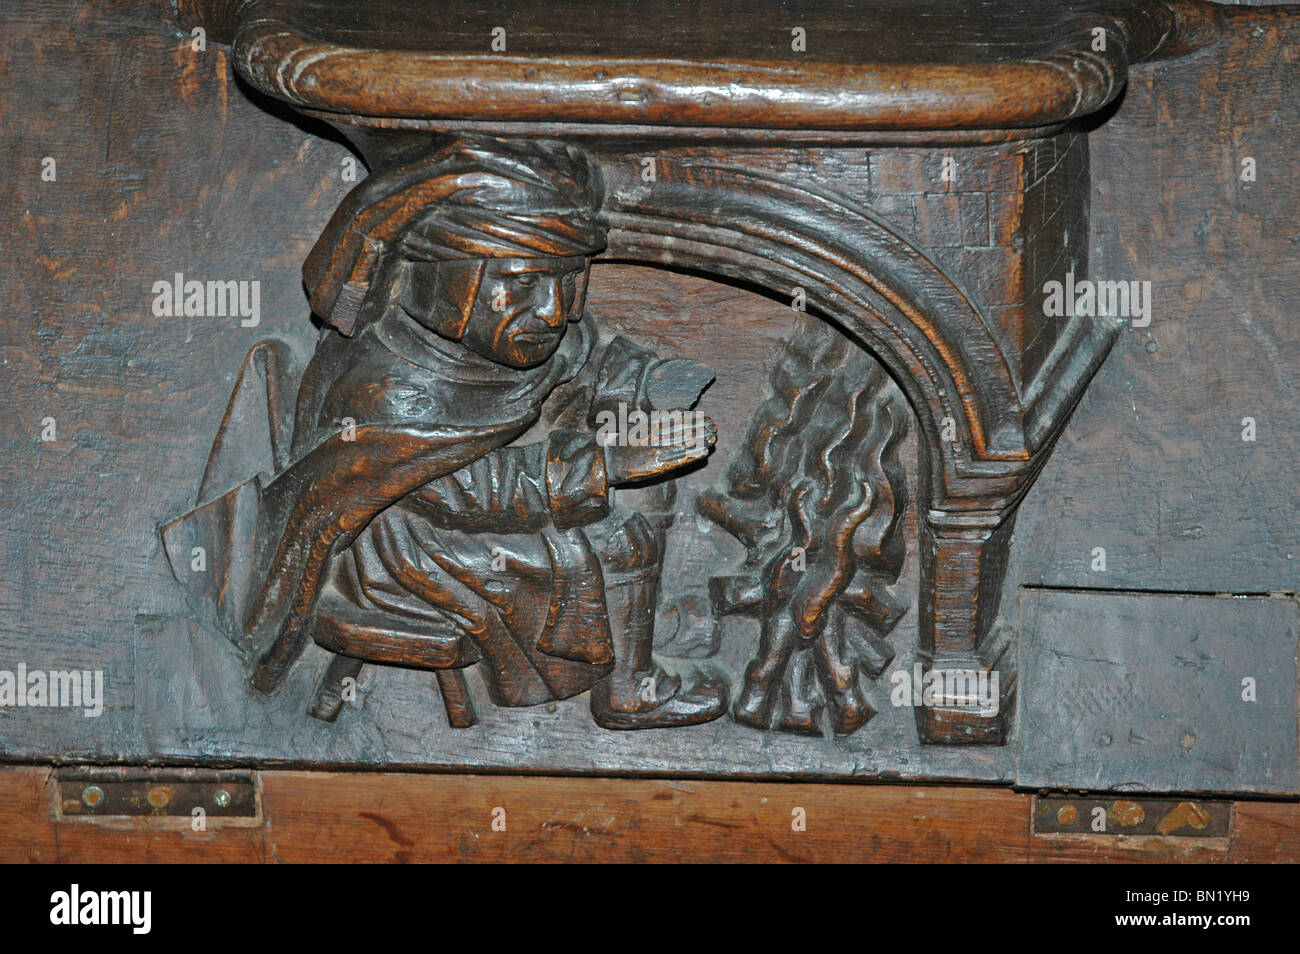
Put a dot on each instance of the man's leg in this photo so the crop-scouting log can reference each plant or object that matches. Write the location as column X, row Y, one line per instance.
column 639, row 694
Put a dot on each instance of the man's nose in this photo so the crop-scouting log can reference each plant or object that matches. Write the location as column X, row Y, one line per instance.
column 550, row 302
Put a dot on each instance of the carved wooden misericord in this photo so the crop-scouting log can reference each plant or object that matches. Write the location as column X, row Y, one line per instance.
column 445, row 489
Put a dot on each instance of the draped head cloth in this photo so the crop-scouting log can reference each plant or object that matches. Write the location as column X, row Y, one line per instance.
column 473, row 200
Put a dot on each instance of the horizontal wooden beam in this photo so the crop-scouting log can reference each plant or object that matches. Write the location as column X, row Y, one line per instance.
column 374, row 817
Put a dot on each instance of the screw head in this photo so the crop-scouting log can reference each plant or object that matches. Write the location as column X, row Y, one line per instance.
column 92, row 795
column 222, row 798
column 159, row 796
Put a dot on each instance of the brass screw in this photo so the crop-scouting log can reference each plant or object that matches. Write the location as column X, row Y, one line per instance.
column 222, row 798
column 1128, row 814
column 159, row 796
column 1067, row 815
column 1181, row 815
column 92, row 795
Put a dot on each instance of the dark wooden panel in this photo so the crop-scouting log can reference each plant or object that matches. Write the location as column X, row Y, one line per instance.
column 168, row 166
column 1153, row 466
column 1144, row 692
column 163, row 166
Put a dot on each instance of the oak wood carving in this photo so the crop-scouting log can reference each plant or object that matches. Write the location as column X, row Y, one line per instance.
column 443, row 486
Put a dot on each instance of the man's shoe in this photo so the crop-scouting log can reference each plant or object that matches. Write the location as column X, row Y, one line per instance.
column 703, row 702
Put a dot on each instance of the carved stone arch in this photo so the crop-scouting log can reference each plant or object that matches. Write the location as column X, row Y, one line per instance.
column 856, row 270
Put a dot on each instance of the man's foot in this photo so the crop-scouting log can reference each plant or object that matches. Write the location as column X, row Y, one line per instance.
column 702, row 702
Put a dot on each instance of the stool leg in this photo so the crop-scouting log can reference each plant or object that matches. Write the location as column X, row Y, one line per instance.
column 329, row 695
column 455, row 697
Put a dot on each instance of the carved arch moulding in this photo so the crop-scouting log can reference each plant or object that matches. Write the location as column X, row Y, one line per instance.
column 482, row 474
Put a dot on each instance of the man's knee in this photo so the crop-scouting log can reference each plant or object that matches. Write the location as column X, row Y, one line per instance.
column 633, row 545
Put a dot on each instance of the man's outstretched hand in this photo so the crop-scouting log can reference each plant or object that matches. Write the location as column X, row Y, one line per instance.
column 688, row 438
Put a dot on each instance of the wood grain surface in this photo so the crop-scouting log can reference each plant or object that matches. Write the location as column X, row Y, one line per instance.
column 326, row 817
column 168, row 163
column 939, row 64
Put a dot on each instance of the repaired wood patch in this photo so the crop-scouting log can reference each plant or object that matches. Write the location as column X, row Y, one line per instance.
column 1155, row 692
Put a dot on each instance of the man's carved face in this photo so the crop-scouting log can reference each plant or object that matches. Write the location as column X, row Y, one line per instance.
column 521, row 308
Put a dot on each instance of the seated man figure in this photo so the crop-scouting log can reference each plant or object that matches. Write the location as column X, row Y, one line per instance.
column 455, row 289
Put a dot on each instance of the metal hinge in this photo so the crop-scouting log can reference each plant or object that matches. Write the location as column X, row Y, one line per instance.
column 164, row 797
column 1131, row 815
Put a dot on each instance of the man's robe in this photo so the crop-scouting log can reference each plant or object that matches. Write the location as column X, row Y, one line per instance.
column 406, row 502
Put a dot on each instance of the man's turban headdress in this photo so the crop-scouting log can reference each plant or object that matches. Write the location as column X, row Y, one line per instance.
column 473, row 200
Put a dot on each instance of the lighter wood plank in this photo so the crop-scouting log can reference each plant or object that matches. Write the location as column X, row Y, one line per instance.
column 373, row 817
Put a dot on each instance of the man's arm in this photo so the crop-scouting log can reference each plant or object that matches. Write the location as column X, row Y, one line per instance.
column 560, row 482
